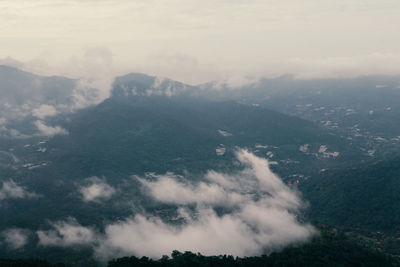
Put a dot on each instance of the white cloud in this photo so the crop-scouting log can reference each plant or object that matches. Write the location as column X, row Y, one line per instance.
column 49, row 130
column 96, row 190
column 12, row 133
column 66, row 233
column 224, row 133
column 44, row 111
column 11, row 190
column 168, row 190
column 15, row 238
column 260, row 216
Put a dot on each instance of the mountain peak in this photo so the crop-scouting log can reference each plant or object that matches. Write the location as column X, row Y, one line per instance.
column 138, row 84
column 7, row 71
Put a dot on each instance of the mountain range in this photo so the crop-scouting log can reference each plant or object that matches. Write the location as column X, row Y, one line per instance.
column 332, row 142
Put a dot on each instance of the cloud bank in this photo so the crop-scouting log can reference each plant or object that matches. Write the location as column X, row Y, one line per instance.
column 260, row 217
column 246, row 213
column 198, row 41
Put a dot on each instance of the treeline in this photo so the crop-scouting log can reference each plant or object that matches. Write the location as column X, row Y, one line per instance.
column 328, row 250
column 28, row 263
column 331, row 248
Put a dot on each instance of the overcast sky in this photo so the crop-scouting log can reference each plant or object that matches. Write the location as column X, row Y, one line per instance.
column 201, row 40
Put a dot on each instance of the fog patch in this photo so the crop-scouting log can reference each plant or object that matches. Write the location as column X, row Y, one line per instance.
column 97, row 190
column 49, row 130
column 15, row 238
column 44, row 111
column 11, row 190
column 66, row 233
column 168, row 190
column 246, row 213
column 261, row 215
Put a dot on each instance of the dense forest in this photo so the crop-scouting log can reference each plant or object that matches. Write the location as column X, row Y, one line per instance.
column 330, row 248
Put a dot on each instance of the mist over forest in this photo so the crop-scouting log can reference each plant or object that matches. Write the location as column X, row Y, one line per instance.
column 188, row 133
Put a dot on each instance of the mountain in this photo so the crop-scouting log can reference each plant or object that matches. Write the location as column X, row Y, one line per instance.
column 134, row 135
column 181, row 127
column 28, row 102
column 139, row 133
column 364, row 110
column 138, row 84
column 362, row 201
column 79, row 168
column 27, row 90
column 365, row 197
column 22, row 92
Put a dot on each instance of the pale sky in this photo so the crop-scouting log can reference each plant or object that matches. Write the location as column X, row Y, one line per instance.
column 201, row 40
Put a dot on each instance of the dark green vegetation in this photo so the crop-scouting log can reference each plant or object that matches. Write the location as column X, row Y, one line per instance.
column 132, row 135
column 365, row 110
column 297, row 125
column 331, row 249
column 363, row 201
column 28, row 263
column 365, row 198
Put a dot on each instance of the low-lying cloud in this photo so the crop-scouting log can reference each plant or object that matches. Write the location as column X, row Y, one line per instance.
column 260, row 215
column 245, row 213
column 49, row 130
column 96, row 190
column 168, row 189
column 44, row 111
column 15, row 238
column 66, row 233
column 11, row 190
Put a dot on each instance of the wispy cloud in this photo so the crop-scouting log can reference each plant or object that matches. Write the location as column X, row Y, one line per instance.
column 66, row 233
column 245, row 213
column 15, row 238
column 261, row 217
column 11, row 190
column 44, row 111
column 49, row 131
